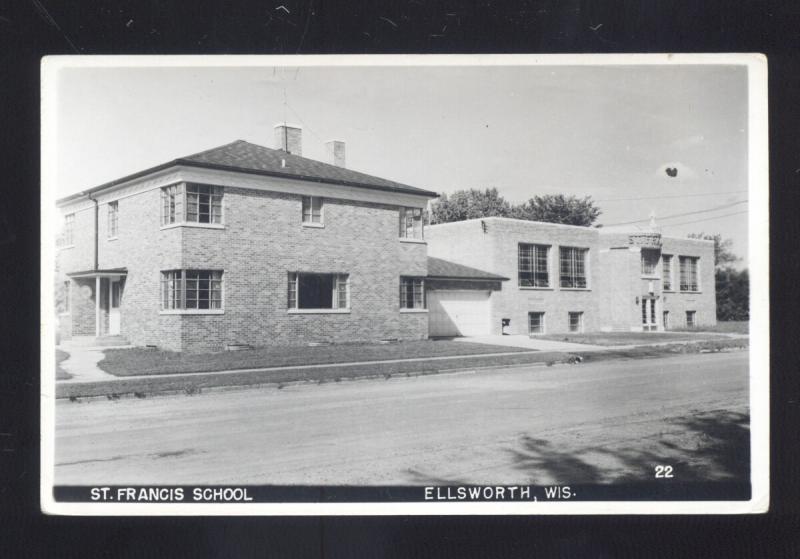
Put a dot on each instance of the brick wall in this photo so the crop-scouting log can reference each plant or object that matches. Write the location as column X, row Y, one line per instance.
column 262, row 241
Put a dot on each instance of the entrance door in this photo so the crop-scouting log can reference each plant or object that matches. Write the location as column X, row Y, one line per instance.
column 649, row 315
column 115, row 298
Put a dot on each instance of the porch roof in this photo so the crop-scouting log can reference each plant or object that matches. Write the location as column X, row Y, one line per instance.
column 446, row 270
column 108, row 272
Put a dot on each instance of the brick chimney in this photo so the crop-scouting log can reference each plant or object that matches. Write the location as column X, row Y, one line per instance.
column 335, row 152
column 288, row 137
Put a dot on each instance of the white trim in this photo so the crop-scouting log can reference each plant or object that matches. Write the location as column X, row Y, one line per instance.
column 248, row 181
column 413, row 311
column 192, row 311
column 313, row 225
column 193, row 224
column 318, row 311
column 415, row 241
column 112, row 238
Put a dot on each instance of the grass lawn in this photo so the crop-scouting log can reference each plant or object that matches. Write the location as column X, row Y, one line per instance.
column 139, row 361
column 727, row 327
column 61, row 374
column 630, row 338
column 195, row 384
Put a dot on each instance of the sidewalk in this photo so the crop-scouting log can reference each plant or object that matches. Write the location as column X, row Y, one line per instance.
column 82, row 363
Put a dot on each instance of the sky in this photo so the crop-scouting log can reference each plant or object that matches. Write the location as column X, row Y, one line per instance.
column 603, row 131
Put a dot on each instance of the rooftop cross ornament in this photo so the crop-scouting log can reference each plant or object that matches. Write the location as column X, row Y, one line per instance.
column 652, row 219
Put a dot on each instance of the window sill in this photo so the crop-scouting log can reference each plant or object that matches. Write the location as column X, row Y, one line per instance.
column 574, row 288
column 193, row 311
column 412, row 311
column 668, row 291
column 198, row 225
column 112, row 238
column 318, row 311
column 689, row 292
column 529, row 288
column 417, row 241
column 650, row 277
column 313, row 225
column 65, row 247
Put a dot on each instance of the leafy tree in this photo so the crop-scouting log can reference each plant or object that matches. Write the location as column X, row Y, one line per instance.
column 733, row 294
column 558, row 208
column 469, row 204
column 733, row 286
column 723, row 255
column 552, row 208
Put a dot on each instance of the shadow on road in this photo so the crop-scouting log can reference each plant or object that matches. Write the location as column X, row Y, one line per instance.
column 709, row 446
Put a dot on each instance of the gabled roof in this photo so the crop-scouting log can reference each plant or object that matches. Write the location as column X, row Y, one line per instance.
column 444, row 269
column 244, row 157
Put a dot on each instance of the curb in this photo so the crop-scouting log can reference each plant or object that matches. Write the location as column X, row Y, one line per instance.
column 280, row 385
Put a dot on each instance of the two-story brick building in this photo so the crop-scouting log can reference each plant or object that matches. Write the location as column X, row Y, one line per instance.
column 248, row 245
column 563, row 278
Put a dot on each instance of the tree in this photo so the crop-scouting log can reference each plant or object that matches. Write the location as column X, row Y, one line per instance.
column 732, row 286
column 558, row 208
column 469, row 204
column 723, row 255
column 733, row 294
column 552, row 208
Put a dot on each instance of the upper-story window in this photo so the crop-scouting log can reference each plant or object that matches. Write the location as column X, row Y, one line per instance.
column 688, row 271
column 113, row 219
column 312, row 210
column 191, row 203
column 666, row 272
column 68, row 238
column 649, row 261
column 412, row 293
column 533, row 268
column 573, row 267
column 411, row 226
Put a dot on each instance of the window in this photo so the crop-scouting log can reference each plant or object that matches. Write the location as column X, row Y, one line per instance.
column 533, row 268
column 191, row 290
column 691, row 319
column 666, row 272
column 412, row 293
column 191, row 203
column 688, row 266
column 649, row 261
column 69, row 230
column 536, row 322
column 411, row 223
column 573, row 267
column 113, row 219
column 312, row 209
column 576, row 322
column 318, row 291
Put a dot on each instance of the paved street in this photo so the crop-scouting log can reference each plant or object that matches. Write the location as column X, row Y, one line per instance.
column 596, row 422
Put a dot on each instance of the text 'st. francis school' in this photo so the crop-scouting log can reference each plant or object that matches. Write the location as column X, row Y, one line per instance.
column 246, row 245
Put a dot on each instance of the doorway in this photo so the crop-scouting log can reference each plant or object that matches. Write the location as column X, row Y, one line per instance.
column 114, row 301
column 649, row 323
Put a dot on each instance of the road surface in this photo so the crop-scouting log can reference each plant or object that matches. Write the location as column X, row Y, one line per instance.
column 600, row 422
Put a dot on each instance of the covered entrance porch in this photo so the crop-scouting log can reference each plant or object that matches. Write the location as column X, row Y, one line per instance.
column 96, row 302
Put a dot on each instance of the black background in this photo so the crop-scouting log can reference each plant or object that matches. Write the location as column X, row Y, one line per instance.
column 30, row 29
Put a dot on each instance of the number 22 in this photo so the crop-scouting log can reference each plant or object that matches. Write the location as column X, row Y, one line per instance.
column 663, row 471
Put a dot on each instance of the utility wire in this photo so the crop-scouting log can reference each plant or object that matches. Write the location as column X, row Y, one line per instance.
column 670, row 196
column 681, row 214
column 702, row 220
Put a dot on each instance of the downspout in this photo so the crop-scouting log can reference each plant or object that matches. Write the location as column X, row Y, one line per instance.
column 96, row 231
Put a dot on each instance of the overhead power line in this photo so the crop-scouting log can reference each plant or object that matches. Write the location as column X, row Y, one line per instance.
column 670, row 196
column 724, row 206
column 706, row 219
